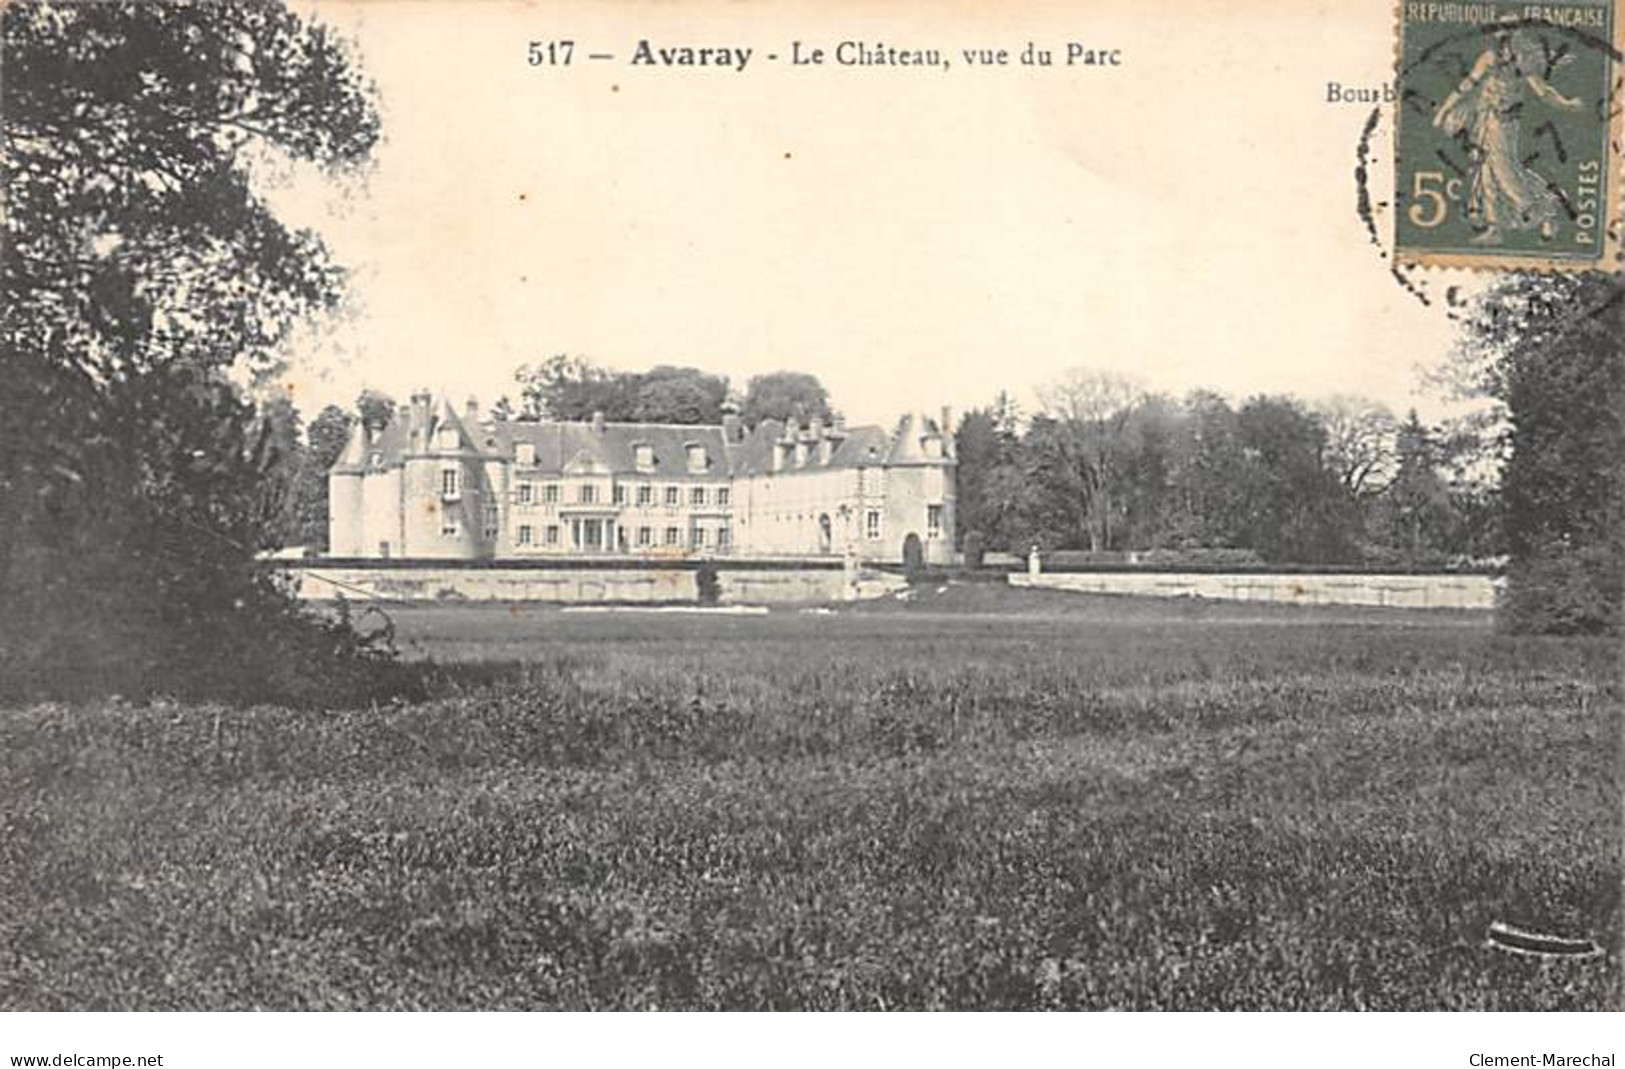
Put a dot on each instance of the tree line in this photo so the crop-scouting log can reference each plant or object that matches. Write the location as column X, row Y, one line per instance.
column 1107, row 467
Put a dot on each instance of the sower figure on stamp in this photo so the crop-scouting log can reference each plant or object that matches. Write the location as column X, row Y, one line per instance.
column 1505, row 194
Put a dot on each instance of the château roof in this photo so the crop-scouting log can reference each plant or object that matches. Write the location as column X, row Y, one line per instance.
column 561, row 446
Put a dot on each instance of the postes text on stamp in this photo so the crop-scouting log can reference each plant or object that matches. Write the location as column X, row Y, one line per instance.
column 1508, row 134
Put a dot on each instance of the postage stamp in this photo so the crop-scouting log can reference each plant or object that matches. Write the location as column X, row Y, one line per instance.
column 1508, row 134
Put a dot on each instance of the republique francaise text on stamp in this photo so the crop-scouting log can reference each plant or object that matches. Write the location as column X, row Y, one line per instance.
column 1509, row 134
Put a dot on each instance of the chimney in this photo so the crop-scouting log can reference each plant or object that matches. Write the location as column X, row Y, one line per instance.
column 820, row 441
column 418, row 426
column 947, row 431
column 471, row 412
column 732, row 430
column 598, row 422
column 930, row 437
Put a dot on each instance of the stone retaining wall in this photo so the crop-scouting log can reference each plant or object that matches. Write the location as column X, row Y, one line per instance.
column 1399, row 591
column 738, row 585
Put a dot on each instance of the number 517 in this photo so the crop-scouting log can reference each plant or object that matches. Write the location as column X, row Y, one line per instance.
column 551, row 53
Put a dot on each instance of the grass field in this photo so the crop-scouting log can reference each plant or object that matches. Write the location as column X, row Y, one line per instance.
column 973, row 800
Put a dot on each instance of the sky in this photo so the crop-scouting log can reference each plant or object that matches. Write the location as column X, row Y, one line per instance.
column 915, row 237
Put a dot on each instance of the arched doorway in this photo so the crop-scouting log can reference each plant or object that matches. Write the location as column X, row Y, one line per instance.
column 913, row 554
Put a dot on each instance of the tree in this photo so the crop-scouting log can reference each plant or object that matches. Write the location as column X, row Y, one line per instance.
column 1090, row 409
column 687, row 395
column 375, row 408
column 1551, row 350
column 984, row 449
column 574, row 388
column 1360, row 442
column 287, row 468
column 1208, row 475
column 1294, row 503
column 1149, row 497
column 326, row 439
column 143, row 269
column 791, row 396
column 328, row 435
column 1417, row 516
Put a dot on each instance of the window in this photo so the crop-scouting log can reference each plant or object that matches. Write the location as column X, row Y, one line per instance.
column 587, row 493
column 696, row 496
column 526, row 455
column 552, row 534
column 933, row 521
column 527, row 534
column 619, row 494
column 725, row 539
column 871, row 523
column 646, row 537
column 724, row 497
column 646, row 494
column 697, row 460
column 673, row 497
column 378, row 460
column 527, row 493
column 672, row 536
column 643, row 456
column 697, row 538
column 550, row 494
column 492, row 521
column 450, row 484
column 448, row 525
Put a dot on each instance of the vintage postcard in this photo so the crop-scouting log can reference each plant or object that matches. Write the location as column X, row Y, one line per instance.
column 818, row 505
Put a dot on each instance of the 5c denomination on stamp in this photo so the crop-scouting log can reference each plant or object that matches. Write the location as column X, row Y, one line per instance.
column 1509, row 134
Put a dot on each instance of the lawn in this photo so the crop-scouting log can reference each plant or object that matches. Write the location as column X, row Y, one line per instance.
column 969, row 800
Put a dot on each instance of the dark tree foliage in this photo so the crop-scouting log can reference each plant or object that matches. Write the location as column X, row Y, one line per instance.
column 325, row 440
column 574, row 388
column 1551, row 348
column 1294, row 504
column 986, row 444
column 1200, row 481
column 329, row 433
column 1209, row 502
column 142, row 268
column 790, row 396
column 1417, row 515
column 375, row 408
column 667, row 394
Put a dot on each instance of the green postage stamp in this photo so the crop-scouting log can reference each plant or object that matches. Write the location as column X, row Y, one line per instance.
column 1508, row 134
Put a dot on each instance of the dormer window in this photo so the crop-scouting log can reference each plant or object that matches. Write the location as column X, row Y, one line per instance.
column 697, row 460
column 643, row 456
column 377, row 460
column 451, row 484
column 525, row 454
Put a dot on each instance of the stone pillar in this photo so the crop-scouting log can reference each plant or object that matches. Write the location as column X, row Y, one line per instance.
column 1034, row 567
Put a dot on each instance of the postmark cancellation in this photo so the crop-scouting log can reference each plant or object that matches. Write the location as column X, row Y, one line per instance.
column 1509, row 134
